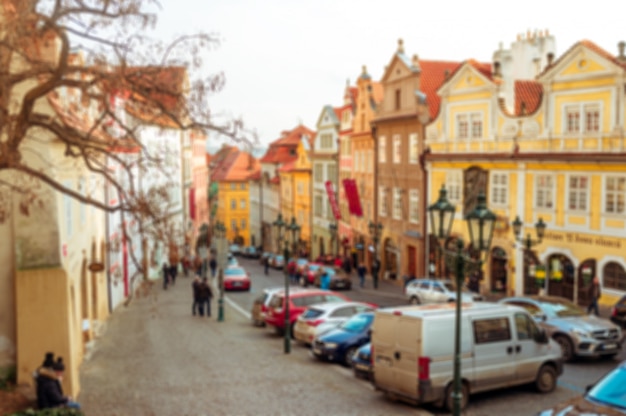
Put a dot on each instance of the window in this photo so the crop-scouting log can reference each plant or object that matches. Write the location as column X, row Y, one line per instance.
column 614, row 276
column 615, row 194
column 591, row 122
column 233, row 204
column 382, row 196
column 318, row 206
column 477, row 126
column 544, row 188
column 454, row 184
column 233, row 186
column 525, row 327
column 592, row 118
column 326, row 141
column 398, row 98
column 578, row 190
column 462, row 126
column 242, row 203
column 331, row 172
column 414, row 209
column 397, row 203
column 233, row 225
column 300, row 188
column 413, row 149
column 491, row 330
column 243, row 224
column 397, row 148
column 382, row 149
column 319, row 172
column 572, row 115
column 499, row 182
column 242, row 186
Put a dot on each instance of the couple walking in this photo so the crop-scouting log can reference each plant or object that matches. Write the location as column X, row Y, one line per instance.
column 202, row 295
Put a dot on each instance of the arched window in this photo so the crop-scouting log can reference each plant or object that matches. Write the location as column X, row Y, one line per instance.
column 614, row 276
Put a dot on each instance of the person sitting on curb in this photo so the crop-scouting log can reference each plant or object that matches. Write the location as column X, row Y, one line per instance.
column 49, row 390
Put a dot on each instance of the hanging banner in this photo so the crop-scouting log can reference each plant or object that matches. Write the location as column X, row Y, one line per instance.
column 192, row 203
column 332, row 198
column 352, row 194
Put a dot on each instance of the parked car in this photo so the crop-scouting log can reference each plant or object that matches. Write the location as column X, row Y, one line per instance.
column 339, row 280
column 234, row 249
column 277, row 261
column 261, row 303
column 301, row 263
column 299, row 300
column 606, row 397
column 250, row 252
column 308, row 277
column 232, row 261
column 422, row 291
column 362, row 362
column 341, row 343
column 236, row 278
column 266, row 255
column 618, row 312
column 577, row 333
column 322, row 317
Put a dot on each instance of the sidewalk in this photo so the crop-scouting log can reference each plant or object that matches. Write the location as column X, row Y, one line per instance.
column 154, row 358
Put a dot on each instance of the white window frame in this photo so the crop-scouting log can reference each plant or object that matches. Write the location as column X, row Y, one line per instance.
column 397, row 149
column 382, row 200
column 414, row 208
column 413, row 149
column 454, row 185
column 397, row 203
column 382, row 149
column 318, row 206
column 498, row 189
column 243, row 224
column 318, row 172
column 582, row 193
column 583, row 120
column 545, row 192
column 617, row 194
column 462, row 126
column 476, row 120
column 242, row 203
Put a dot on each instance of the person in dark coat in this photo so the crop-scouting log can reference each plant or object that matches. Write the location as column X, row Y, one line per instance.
column 204, row 295
column 594, row 295
column 213, row 266
column 173, row 272
column 361, row 270
column 195, row 287
column 266, row 265
column 375, row 271
column 49, row 390
column 166, row 275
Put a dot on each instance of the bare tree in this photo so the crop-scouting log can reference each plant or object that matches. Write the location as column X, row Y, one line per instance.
column 121, row 81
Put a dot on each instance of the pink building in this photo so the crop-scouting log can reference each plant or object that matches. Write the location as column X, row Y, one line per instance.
column 198, row 193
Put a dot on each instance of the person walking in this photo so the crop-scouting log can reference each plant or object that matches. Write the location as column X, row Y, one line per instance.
column 213, row 265
column 166, row 275
column 375, row 270
column 361, row 270
column 173, row 272
column 266, row 265
column 195, row 287
column 595, row 294
column 205, row 295
column 291, row 270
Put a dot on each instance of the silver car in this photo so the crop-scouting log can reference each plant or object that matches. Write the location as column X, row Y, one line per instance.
column 578, row 334
column 422, row 291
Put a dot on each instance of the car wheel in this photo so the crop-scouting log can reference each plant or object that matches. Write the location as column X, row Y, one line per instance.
column 415, row 300
column 546, row 379
column 566, row 347
column 449, row 400
column 347, row 360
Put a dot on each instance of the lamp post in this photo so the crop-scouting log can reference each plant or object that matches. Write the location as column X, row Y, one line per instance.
column 220, row 234
column 295, row 236
column 281, row 227
column 528, row 242
column 480, row 222
column 375, row 230
column 333, row 232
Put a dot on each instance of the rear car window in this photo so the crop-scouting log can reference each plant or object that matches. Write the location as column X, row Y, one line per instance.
column 276, row 302
column 312, row 313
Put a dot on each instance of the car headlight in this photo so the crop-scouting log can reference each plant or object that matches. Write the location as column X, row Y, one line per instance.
column 581, row 333
column 331, row 345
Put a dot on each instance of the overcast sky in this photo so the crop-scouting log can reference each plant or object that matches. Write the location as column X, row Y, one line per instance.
column 285, row 59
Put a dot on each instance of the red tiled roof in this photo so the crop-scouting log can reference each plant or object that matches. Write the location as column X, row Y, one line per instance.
column 278, row 154
column 283, row 149
column 236, row 166
column 275, row 180
column 288, row 167
column 293, row 136
column 530, row 93
column 482, row 67
column 432, row 77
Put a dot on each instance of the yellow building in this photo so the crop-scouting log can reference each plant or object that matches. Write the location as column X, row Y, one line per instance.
column 295, row 188
column 231, row 170
column 555, row 152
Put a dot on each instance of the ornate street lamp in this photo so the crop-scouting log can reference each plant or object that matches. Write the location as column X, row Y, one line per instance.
column 281, row 226
column 480, row 222
column 333, row 232
column 375, row 230
column 528, row 242
column 220, row 235
column 295, row 236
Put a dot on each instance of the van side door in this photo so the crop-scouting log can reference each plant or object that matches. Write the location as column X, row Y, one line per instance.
column 529, row 355
column 494, row 364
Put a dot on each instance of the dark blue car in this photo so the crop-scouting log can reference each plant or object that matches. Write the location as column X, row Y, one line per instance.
column 362, row 362
column 341, row 343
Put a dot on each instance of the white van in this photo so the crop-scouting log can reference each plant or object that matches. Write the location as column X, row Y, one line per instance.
column 501, row 346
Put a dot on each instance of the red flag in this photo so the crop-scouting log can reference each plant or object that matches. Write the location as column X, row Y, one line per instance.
column 192, row 203
column 332, row 198
column 352, row 194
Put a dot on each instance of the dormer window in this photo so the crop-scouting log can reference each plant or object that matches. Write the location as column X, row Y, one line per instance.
column 582, row 118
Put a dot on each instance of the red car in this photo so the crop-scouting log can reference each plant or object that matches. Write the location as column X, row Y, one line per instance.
column 308, row 273
column 298, row 302
column 236, row 278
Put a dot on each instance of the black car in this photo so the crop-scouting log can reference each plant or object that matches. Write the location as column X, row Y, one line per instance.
column 341, row 343
column 618, row 312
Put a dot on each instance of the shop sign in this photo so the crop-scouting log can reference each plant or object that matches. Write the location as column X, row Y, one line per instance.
column 585, row 239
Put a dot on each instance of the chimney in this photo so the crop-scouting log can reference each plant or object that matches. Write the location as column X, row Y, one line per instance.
column 497, row 73
column 522, row 108
column 620, row 47
column 400, row 46
column 550, row 59
column 363, row 70
column 415, row 61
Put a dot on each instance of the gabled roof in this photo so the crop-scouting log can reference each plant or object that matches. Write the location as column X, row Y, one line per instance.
column 528, row 94
column 332, row 113
column 288, row 167
column 236, row 165
column 589, row 45
column 434, row 74
column 284, row 149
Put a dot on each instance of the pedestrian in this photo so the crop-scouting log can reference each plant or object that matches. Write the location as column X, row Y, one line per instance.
column 325, row 280
column 197, row 265
column 173, row 272
column 49, row 389
column 361, row 270
column 213, row 265
column 166, row 275
column 347, row 265
column 266, row 265
column 205, row 294
column 375, row 271
column 291, row 270
column 184, row 263
column 594, row 294
column 195, row 287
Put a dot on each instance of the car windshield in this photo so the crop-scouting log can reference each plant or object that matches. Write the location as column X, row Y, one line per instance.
column 233, row 271
column 611, row 390
column 302, row 261
column 279, row 258
column 330, row 271
column 561, row 308
column 358, row 323
column 314, row 267
column 312, row 313
column 450, row 286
